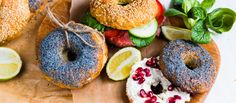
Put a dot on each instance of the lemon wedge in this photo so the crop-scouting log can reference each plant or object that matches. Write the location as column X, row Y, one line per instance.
column 120, row 64
column 10, row 63
column 173, row 33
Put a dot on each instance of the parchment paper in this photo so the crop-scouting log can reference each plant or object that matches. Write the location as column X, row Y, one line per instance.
column 31, row 87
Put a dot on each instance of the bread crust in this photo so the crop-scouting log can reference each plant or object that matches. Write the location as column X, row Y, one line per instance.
column 47, row 26
column 14, row 15
column 134, row 14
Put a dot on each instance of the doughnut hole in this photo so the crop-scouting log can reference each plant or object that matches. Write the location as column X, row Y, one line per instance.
column 69, row 55
column 191, row 60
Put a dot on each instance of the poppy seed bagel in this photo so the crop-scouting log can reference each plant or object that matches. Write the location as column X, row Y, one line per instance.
column 34, row 5
column 188, row 66
column 74, row 67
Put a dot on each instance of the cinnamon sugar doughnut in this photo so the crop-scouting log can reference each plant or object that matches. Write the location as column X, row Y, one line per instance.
column 113, row 14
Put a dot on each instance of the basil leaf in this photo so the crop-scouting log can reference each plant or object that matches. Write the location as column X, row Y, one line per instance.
column 221, row 19
column 87, row 19
column 207, row 4
column 188, row 4
column 197, row 13
column 174, row 12
column 189, row 22
column 177, row 4
column 200, row 33
column 142, row 42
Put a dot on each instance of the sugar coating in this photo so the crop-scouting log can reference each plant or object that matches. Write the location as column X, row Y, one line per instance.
column 61, row 70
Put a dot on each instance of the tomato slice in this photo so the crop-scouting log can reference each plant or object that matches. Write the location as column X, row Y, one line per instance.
column 160, row 13
column 160, row 17
column 118, row 38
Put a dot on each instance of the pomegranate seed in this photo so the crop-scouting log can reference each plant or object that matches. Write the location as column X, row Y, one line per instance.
column 143, row 93
column 148, row 75
column 139, row 70
column 147, row 71
column 135, row 77
column 148, row 101
column 141, row 80
column 141, row 74
column 171, row 100
column 156, row 66
column 149, row 63
column 153, row 99
column 177, row 97
column 150, row 94
column 154, row 59
column 170, row 88
column 153, row 62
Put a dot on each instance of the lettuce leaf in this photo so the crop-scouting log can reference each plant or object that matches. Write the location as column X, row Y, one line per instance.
column 221, row 19
column 142, row 42
column 87, row 19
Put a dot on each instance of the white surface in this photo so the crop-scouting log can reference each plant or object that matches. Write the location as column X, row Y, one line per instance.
column 224, row 89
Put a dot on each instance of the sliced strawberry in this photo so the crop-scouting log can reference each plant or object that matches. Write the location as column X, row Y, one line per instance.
column 160, row 18
column 119, row 38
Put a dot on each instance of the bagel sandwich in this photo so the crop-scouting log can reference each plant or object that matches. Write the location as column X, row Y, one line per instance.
column 126, row 22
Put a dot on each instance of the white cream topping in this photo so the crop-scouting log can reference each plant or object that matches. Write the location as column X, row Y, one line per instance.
column 133, row 88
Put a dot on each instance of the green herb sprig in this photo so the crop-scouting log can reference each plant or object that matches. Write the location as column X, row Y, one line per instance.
column 196, row 17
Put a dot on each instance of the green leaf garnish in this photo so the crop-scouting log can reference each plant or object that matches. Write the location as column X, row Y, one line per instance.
column 207, row 4
column 200, row 33
column 196, row 18
column 174, row 12
column 197, row 13
column 189, row 22
column 142, row 42
column 221, row 19
column 188, row 4
column 177, row 4
column 87, row 19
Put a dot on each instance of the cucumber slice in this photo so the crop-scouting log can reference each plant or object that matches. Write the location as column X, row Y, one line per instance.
column 146, row 30
column 142, row 42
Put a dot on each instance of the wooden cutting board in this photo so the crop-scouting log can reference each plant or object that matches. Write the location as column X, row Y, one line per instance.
column 102, row 89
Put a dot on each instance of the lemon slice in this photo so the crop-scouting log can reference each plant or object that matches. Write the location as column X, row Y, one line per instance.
column 119, row 66
column 10, row 63
column 173, row 33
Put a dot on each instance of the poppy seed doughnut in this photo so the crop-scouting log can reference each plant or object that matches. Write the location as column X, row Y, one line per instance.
column 188, row 66
column 74, row 67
